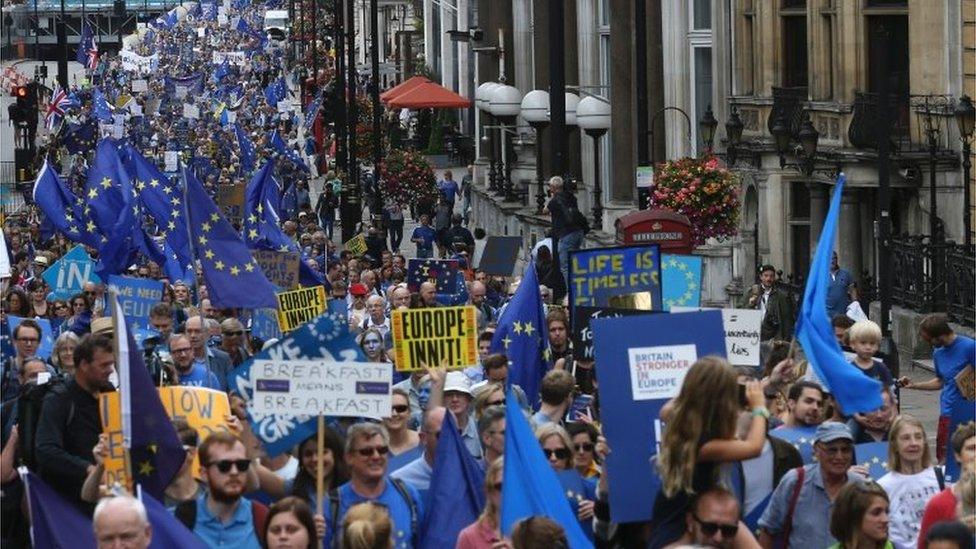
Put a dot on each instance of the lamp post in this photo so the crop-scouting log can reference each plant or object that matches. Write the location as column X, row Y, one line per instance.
column 966, row 119
column 809, row 138
column 505, row 105
column 572, row 103
column 487, row 138
column 535, row 111
column 706, row 127
column 733, row 133
column 593, row 116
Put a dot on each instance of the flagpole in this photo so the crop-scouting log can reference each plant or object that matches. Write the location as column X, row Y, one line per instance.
column 126, row 442
column 193, row 256
column 319, row 467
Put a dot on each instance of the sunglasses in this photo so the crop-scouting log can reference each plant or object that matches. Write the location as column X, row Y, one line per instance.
column 585, row 447
column 560, row 453
column 237, row 333
column 369, row 452
column 400, row 408
column 224, row 465
column 710, row 528
column 497, row 403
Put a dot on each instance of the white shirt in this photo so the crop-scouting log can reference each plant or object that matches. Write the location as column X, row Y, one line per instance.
column 908, row 495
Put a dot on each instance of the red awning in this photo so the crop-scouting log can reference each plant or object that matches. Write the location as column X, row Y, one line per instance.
column 403, row 87
column 429, row 96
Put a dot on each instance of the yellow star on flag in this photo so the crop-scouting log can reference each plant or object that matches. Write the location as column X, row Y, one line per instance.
column 252, row 233
column 92, row 193
column 215, row 217
column 175, row 201
column 205, row 227
column 235, row 270
column 249, row 267
column 171, row 225
column 145, row 469
column 219, row 265
column 529, row 327
column 167, row 190
column 202, row 240
column 90, row 226
column 517, row 327
column 107, row 182
column 209, row 254
column 153, row 182
column 507, row 341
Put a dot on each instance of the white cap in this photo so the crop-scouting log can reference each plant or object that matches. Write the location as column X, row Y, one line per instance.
column 458, row 382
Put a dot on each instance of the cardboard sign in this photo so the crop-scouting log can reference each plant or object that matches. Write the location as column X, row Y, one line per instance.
column 681, row 277
column 356, row 245
column 500, row 255
column 583, row 331
column 741, row 334
column 137, row 296
column 171, row 161
column 203, row 409
column 191, row 111
column 597, row 274
column 231, row 199
column 140, row 85
column 68, row 275
column 312, row 387
column 281, row 268
column 657, row 350
column 296, row 307
column 439, row 336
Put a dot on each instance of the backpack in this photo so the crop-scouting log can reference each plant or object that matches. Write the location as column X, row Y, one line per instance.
column 186, row 512
column 29, row 405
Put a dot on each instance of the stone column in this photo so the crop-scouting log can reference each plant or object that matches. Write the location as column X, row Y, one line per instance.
column 448, row 22
column 623, row 142
column 429, row 36
column 818, row 211
column 849, row 233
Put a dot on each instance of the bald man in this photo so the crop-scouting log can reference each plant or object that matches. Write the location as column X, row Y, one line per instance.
column 122, row 521
column 428, row 295
column 417, row 473
column 214, row 360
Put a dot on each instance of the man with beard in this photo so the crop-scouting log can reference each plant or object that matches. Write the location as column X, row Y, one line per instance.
column 69, row 423
column 222, row 516
column 713, row 521
column 804, row 403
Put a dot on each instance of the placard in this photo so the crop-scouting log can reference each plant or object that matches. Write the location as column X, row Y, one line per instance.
column 597, row 274
column 68, row 275
column 741, row 333
column 436, row 336
column 296, row 307
column 191, row 111
column 231, row 199
column 140, row 85
column 203, row 409
column 171, row 161
column 645, row 176
column 311, row 387
column 137, row 296
column 281, row 268
column 356, row 245
column 681, row 277
column 658, row 350
column 500, row 255
column 583, row 331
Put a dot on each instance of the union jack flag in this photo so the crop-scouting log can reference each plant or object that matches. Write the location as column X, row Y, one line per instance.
column 87, row 53
column 61, row 101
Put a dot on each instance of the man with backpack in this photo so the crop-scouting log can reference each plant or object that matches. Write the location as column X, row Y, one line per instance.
column 568, row 223
column 222, row 516
column 69, row 424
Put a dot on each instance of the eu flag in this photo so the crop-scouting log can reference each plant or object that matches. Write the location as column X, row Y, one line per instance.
column 282, row 148
column 313, row 110
column 522, row 335
column 108, row 188
column 80, row 138
column 222, row 71
column 874, row 456
column 439, row 271
column 680, row 281
column 87, row 52
column 100, row 107
column 276, row 91
column 234, row 278
column 530, row 486
column 63, row 209
column 854, row 391
column 248, row 155
column 456, row 494
column 155, row 450
column 167, row 530
column 54, row 521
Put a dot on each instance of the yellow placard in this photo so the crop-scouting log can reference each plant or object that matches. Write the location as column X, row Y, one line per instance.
column 436, row 336
column 203, row 409
column 296, row 307
column 356, row 245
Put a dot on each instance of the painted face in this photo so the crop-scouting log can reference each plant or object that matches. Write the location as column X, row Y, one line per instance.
column 372, row 344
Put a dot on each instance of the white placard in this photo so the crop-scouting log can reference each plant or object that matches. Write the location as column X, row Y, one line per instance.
column 222, row 19
column 231, row 116
column 658, row 372
column 140, row 85
column 191, row 111
column 201, row 32
column 312, row 387
column 140, row 64
column 645, row 176
column 180, row 91
column 135, row 108
column 742, row 331
column 171, row 161
column 285, row 105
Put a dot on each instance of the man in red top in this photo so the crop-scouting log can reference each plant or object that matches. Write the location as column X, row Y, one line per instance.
column 942, row 506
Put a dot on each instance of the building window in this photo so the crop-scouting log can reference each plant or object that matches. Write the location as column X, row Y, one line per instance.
column 893, row 31
column 795, row 51
column 887, row 3
column 701, row 14
column 799, row 223
column 793, row 4
column 702, row 83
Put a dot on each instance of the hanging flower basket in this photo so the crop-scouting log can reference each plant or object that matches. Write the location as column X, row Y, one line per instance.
column 408, row 177
column 702, row 190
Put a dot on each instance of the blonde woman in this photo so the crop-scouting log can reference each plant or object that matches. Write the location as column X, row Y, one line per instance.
column 912, row 479
column 700, row 436
column 367, row 526
column 484, row 533
column 580, row 492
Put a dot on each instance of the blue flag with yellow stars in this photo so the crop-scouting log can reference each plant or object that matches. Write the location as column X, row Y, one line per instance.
column 108, row 188
column 873, row 456
column 276, row 91
column 800, row 437
column 248, row 155
column 439, row 271
column 234, row 278
column 521, row 334
column 80, row 138
column 63, row 209
column 282, row 148
column 680, row 281
column 156, row 453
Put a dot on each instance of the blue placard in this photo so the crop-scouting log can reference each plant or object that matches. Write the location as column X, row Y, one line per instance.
column 963, row 411
column 68, row 275
column 264, row 324
column 597, row 274
column 136, row 296
column 631, row 396
column 874, row 456
column 800, row 437
column 46, row 346
column 681, row 277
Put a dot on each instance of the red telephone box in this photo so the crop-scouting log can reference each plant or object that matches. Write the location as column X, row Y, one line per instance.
column 671, row 231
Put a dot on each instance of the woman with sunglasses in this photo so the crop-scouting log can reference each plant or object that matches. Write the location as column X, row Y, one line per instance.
column 291, row 525
column 302, row 486
column 404, row 442
column 859, row 519
column 484, row 533
column 580, row 492
column 585, row 459
column 80, row 310
column 489, row 394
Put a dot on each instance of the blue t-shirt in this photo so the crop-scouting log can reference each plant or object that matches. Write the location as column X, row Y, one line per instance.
column 837, row 297
column 949, row 361
column 403, row 535
column 428, row 234
column 449, row 188
column 200, row 377
column 397, row 461
column 239, row 532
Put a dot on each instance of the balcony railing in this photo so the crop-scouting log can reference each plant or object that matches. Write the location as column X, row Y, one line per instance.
column 788, row 105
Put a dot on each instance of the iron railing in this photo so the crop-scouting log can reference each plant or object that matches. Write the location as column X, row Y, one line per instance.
column 916, row 258
column 788, row 105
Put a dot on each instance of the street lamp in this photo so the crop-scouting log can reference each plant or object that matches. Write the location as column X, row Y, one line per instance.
column 535, row 111
column 572, row 103
column 808, row 136
column 484, row 105
column 966, row 118
column 505, row 105
column 593, row 116
column 707, row 126
column 733, row 132
column 781, row 138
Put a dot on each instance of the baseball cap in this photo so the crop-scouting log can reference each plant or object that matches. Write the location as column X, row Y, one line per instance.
column 358, row 289
column 458, row 382
column 830, row 431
